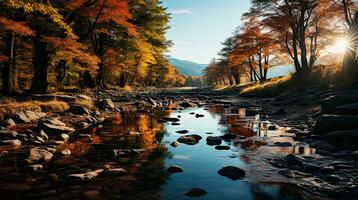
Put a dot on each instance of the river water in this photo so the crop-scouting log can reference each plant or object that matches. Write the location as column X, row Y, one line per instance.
column 139, row 142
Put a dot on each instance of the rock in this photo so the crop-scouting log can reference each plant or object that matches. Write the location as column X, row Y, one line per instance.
column 78, row 110
column 43, row 135
column 232, row 173
column 171, row 119
column 8, row 122
column 20, row 117
column 91, row 194
column 13, row 143
column 106, row 104
column 174, row 144
column 196, row 192
column 342, row 137
column 322, row 145
column 187, row 140
column 116, row 171
column 211, row 140
column 228, row 136
column 53, row 121
column 329, row 123
column 54, row 126
column 175, row 169
column 196, row 137
column 63, row 137
column 199, row 115
column 34, row 116
column 182, row 131
column 37, row 155
column 66, row 152
column 4, row 134
column 282, row 144
column 330, row 104
column 85, row 176
column 185, row 104
column 222, row 147
column 28, row 116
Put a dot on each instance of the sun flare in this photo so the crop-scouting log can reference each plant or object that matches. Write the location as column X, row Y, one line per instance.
column 339, row 46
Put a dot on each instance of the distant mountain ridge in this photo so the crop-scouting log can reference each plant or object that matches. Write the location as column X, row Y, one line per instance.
column 188, row 67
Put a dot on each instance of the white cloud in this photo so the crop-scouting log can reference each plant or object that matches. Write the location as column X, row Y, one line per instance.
column 185, row 11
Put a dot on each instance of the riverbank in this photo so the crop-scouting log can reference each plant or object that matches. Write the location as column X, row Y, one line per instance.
column 49, row 131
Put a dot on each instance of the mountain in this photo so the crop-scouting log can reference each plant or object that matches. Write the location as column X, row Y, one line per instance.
column 187, row 67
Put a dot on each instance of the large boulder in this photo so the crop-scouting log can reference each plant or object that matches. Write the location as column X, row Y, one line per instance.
column 329, row 123
column 330, row 104
column 37, row 155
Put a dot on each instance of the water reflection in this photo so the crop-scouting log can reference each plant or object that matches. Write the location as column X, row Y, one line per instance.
column 139, row 143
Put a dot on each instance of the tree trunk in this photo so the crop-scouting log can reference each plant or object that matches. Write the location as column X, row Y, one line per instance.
column 350, row 63
column 9, row 71
column 40, row 63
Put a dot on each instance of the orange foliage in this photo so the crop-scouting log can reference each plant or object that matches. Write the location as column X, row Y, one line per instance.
column 16, row 27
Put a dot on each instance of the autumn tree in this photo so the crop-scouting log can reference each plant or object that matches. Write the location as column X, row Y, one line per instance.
column 9, row 30
column 301, row 25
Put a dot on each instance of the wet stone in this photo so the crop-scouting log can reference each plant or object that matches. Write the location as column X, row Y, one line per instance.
column 175, row 169
column 196, row 192
column 199, row 115
column 231, row 172
column 182, row 131
column 228, row 136
column 211, row 140
column 222, row 147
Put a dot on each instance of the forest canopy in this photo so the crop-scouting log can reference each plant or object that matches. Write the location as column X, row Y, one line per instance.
column 51, row 45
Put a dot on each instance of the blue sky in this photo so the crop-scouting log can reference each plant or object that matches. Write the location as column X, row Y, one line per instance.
column 199, row 26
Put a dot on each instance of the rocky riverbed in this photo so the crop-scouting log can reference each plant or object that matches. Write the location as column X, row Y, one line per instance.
column 302, row 145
